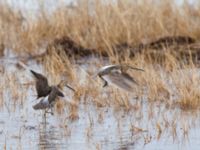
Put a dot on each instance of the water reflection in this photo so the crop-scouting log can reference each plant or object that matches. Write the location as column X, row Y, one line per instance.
column 96, row 128
column 49, row 137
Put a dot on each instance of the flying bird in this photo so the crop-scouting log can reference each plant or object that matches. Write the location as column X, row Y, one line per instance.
column 42, row 87
column 45, row 91
column 49, row 101
column 41, row 84
column 50, row 93
column 117, row 75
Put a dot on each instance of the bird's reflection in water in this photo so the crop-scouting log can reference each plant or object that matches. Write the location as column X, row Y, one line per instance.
column 50, row 137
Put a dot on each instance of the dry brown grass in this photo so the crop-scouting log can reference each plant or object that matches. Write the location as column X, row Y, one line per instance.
column 100, row 27
column 187, row 85
column 166, row 79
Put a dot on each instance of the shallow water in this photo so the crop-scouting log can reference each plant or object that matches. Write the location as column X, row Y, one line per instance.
column 105, row 128
column 21, row 127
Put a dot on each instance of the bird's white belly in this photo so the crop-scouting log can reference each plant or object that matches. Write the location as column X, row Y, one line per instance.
column 43, row 104
column 45, row 101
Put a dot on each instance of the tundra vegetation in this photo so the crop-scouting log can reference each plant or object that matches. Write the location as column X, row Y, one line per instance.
column 73, row 42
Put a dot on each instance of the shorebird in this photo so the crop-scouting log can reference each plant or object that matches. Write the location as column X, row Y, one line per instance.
column 117, row 75
column 42, row 87
column 44, row 91
column 49, row 101
column 50, row 93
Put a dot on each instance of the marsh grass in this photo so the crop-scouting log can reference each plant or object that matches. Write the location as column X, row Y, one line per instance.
column 101, row 26
column 167, row 79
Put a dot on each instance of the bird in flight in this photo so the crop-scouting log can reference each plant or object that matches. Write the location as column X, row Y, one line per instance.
column 118, row 76
column 50, row 93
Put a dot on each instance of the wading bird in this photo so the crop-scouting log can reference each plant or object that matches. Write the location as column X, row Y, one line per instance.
column 117, row 75
column 50, row 93
column 42, row 87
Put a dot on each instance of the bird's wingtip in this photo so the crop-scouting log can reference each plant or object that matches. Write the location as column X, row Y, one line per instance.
column 33, row 72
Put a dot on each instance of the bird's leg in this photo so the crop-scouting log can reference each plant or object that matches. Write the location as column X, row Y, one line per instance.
column 105, row 82
column 47, row 110
column 45, row 116
column 45, row 113
column 52, row 111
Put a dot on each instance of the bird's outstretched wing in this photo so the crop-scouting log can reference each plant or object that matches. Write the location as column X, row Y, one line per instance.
column 54, row 93
column 39, row 76
column 42, row 86
column 121, row 80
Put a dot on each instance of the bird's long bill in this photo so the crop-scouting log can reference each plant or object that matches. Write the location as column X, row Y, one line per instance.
column 70, row 87
column 138, row 69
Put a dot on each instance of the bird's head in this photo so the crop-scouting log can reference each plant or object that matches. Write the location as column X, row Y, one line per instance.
column 64, row 83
